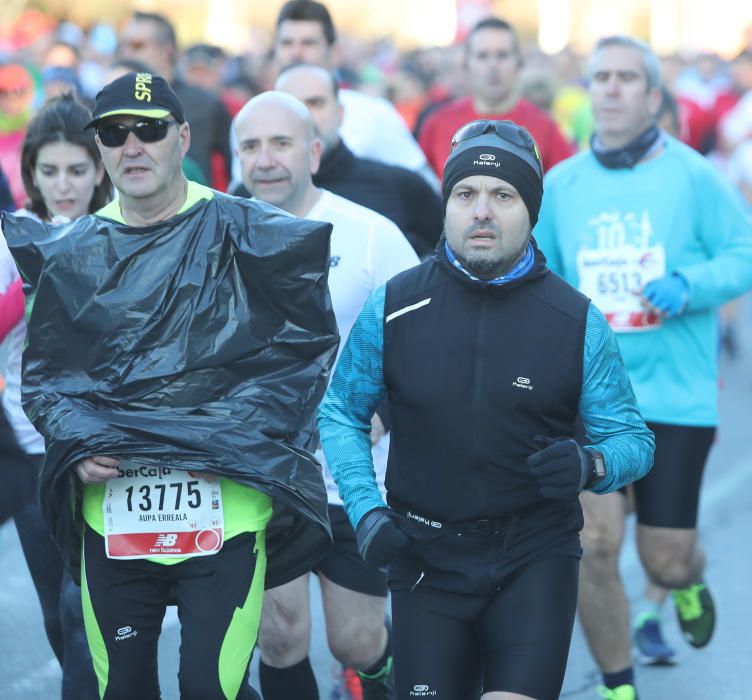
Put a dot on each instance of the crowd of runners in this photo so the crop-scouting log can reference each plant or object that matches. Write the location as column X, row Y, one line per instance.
column 426, row 326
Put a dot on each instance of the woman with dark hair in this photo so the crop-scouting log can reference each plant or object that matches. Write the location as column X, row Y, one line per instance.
column 61, row 167
column 64, row 178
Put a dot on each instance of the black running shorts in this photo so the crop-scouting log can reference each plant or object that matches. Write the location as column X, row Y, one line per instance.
column 515, row 639
column 343, row 565
column 669, row 495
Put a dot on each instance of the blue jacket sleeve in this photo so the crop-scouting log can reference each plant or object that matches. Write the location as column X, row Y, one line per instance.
column 345, row 414
column 724, row 228
column 608, row 407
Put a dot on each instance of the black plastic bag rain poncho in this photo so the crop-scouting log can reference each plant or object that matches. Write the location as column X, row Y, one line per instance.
column 204, row 342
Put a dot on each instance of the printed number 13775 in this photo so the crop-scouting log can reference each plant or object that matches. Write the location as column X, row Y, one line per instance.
column 148, row 497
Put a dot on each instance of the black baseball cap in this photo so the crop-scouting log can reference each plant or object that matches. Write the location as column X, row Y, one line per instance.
column 139, row 95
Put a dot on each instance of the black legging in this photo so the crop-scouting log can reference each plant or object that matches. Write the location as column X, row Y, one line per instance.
column 60, row 599
column 59, row 596
column 218, row 605
column 516, row 640
column 18, row 472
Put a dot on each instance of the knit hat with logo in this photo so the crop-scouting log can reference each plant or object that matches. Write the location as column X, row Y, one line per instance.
column 515, row 160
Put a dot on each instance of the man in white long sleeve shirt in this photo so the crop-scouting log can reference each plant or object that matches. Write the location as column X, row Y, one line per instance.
column 279, row 152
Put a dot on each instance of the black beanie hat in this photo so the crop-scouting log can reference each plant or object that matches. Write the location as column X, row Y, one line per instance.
column 500, row 149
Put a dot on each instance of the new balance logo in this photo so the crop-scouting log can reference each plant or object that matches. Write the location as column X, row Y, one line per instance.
column 522, row 383
column 125, row 633
column 166, row 541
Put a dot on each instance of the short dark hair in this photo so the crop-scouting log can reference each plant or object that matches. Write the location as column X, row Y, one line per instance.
column 494, row 23
column 308, row 11
column 61, row 119
column 650, row 63
column 164, row 26
column 204, row 53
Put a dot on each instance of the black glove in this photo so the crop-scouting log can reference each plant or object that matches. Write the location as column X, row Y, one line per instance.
column 379, row 537
column 562, row 469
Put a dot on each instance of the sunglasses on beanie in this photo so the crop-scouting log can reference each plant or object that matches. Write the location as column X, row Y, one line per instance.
column 505, row 129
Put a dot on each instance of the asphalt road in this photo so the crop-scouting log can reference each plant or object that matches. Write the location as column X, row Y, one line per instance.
column 722, row 671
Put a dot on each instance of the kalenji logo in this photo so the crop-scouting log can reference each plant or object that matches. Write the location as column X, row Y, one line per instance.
column 166, row 541
column 522, row 383
column 488, row 160
column 422, row 691
column 125, row 633
column 423, row 520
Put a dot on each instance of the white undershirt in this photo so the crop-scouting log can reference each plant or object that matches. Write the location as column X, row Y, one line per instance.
column 367, row 249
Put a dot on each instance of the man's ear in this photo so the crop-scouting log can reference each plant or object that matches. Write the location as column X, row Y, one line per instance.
column 340, row 115
column 172, row 55
column 655, row 99
column 315, row 155
column 335, row 54
column 184, row 134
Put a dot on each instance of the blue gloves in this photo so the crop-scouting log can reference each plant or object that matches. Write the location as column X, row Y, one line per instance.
column 379, row 537
column 668, row 294
column 562, row 469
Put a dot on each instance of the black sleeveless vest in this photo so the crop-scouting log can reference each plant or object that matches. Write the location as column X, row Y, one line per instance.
column 473, row 373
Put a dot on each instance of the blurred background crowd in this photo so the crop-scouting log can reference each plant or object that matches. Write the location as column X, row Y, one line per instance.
column 409, row 53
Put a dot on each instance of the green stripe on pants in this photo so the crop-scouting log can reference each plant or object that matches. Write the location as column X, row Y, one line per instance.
column 242, row 633
column 93, row 633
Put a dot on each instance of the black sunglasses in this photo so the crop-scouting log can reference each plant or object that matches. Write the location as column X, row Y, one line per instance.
column 146, row 130
column 506, row 130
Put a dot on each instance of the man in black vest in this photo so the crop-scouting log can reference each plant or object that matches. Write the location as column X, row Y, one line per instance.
column 487, row 360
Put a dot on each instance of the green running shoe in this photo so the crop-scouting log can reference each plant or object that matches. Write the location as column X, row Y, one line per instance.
column 622, row 692
column 696, row 613
column 380, row 686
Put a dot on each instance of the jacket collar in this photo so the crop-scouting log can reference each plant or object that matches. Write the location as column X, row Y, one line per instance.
column 536, row 270
column 334, row 164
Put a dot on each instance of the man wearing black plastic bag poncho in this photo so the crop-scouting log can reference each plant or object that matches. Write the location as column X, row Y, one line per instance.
column 178, row 345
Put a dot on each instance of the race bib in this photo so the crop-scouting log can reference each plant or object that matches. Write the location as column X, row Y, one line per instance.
column 613, row 279
column 161, row 512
